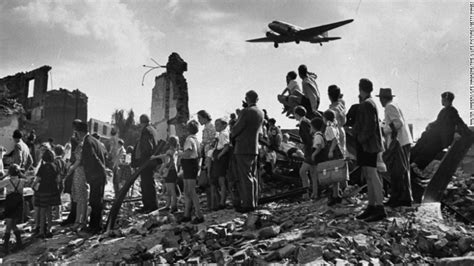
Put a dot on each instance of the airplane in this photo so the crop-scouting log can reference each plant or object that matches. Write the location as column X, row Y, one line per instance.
column 282, row 32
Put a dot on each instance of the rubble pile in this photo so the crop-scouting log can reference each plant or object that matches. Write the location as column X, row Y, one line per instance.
column 284, row 232
column 460, row 194
column 306, row 232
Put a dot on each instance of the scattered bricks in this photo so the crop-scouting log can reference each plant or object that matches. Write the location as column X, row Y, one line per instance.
column 76, row 242
column 424, row 245
column 441, row 243
column 287, row 224
column 456, row 261
column 193, row 260
column 269, row 232
column 453, row 235
column 211, row 234
column 230, row 227
column 166, row 227
column 329, row 255
column 309, row 254
column 240, row 255
column 252, row 221
column 170, row 240
column 277, row 244
column 361, row 242
column 221, row 232
column 249, row 235
column 286, row 251
column 222, row 257
column 464, row 244
column 155, row 250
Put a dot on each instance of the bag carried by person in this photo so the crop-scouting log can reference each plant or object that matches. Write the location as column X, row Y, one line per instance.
column 334, row 171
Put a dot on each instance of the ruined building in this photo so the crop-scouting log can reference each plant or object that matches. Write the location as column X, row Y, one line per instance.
column 169, row 106
column 48, row 112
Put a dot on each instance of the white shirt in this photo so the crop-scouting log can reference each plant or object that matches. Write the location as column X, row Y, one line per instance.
column 293, row 86
column 192, row 144
column 394, row 115
column 222, row 139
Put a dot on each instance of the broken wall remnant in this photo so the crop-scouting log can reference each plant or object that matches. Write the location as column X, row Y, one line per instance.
column 48, row 112
column 19, row 86
column 60, row 109
column 169, row 106
column 11, row 113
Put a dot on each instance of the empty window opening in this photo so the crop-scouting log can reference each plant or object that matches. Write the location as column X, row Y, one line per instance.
column 31, row 88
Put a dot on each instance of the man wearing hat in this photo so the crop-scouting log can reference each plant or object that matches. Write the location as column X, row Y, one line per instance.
column 21, row 153
column 93, row 161
column 397, row 155
column 369, row 144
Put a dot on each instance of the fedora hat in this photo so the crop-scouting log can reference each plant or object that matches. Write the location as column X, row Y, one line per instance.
column 385, row 92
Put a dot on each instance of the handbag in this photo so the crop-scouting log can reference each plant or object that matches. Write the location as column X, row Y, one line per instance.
column 334, row 171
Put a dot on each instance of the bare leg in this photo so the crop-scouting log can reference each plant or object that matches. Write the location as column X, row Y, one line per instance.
column 305, row 168
column 171, row 191
column 194, row 197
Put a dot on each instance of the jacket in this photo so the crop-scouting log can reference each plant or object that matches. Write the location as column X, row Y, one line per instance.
column 246, row 129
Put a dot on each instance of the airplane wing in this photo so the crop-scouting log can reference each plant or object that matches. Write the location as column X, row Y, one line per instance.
column 264, row 39
column 278, row 39
column 321, row 29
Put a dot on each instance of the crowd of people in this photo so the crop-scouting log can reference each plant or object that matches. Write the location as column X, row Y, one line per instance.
column 227, row 157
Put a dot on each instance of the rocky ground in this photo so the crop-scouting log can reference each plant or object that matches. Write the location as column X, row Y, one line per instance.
column 292, row 231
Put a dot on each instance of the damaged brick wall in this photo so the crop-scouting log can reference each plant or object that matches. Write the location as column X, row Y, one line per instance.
column 50, row 113
column 169, row 107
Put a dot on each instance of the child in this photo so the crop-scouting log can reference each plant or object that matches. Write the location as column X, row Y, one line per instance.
column 318, row 152
column 79, row 189
column 190, row 164
column 331, row 136
column 2, row 153
column 62, row 170
column 294, row 93
column 221, row 160
column 168, row 169
column 47, row 194
column 13, row 205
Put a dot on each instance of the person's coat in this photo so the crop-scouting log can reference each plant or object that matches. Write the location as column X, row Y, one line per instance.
column 367, row 129
column 246, row 129
column 93, row 159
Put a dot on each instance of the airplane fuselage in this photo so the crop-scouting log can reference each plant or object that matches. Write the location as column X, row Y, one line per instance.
column 283, row 32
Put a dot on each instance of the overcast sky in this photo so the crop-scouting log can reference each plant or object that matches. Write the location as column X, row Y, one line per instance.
column 418, row 48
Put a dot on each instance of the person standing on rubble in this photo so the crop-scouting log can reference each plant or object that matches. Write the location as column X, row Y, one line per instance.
column 93, row 160
column 306, row 170
column 245, row 134
column 438, row 135
column 339, row 107
column 397, row 155
column 21, row 153
column 310, row 88
column 144, row 150
column 369, row 143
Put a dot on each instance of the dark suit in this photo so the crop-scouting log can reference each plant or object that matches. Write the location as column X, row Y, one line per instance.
column 93, row 161
column 145, row 149
column 245, row 134
column 367, row 128
column 306, row 138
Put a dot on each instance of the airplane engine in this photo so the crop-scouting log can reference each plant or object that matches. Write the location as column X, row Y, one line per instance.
column 271, row 34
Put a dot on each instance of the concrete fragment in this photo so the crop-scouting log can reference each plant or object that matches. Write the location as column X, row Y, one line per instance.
column 269, row 232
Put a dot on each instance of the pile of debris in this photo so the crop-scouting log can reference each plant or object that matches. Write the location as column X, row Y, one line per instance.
column 460, row 195
column 299, row 232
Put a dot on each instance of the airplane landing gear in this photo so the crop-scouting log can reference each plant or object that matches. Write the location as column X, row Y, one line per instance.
column 275, row 45
column 297, row 41
column 320, row 44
